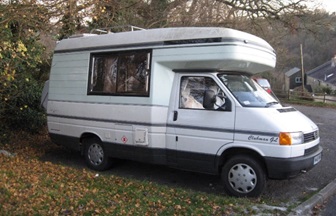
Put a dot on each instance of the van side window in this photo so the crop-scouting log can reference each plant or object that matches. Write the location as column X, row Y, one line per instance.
column 125, row 73
column 192, row 91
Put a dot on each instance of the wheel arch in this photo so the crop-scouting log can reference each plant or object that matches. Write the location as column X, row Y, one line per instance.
column 87, row 135
column 230, row 152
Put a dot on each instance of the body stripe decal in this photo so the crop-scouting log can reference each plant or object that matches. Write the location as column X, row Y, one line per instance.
column 191, row 127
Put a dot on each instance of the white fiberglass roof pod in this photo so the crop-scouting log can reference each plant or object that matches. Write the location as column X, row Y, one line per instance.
column 227, row 49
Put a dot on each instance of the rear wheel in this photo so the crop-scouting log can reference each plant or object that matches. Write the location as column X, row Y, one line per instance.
column 95, row 155
column 243, row 176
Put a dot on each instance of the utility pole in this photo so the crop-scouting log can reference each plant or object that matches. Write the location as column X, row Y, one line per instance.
column 302, row 68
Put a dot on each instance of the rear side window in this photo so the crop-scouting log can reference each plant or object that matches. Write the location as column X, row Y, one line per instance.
column 124, row 73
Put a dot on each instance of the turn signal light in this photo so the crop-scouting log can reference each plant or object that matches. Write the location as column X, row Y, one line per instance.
column 285, row 138
column 290, row 138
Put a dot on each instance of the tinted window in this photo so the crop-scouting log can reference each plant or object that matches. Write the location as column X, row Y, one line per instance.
column 125, row 73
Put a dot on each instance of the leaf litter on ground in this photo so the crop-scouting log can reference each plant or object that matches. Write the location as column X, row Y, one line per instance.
column 32, row 186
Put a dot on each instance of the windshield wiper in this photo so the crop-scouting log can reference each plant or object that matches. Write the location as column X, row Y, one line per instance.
column 271, row 103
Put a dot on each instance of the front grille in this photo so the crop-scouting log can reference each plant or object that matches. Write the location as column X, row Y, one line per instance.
column 311, row 150
column 308, row 137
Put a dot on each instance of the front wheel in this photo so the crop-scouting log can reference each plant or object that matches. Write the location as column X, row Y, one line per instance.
column 243, row 176
column 95, row 155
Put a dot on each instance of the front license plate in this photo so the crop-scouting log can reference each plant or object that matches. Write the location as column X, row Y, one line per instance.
column 317, row 158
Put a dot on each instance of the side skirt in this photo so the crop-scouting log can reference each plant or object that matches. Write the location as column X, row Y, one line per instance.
column 191, row 161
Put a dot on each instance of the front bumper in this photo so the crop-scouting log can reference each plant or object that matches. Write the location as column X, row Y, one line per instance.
column 284, row 168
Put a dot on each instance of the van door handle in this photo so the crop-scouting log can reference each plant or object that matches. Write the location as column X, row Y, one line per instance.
column 175, row 116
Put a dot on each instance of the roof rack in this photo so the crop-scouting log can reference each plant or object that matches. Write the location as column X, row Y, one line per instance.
column 81, row 35
column 115, row 29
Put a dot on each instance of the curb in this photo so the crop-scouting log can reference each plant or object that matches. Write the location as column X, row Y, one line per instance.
column 306, row 207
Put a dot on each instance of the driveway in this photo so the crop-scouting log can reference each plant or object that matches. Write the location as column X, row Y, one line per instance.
column 286, row 192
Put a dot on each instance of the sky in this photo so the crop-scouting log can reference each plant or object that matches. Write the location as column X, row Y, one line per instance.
column 329, row 5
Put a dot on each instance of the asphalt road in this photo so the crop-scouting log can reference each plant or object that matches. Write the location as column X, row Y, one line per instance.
column 286, row 192
column 293, row 191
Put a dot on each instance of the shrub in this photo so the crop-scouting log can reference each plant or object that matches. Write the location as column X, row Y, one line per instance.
column 21, row 56
column 327, row 90
column 22, row 109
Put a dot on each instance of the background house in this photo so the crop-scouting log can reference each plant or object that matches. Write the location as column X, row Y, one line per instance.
column 293, row 78
column 323, row 75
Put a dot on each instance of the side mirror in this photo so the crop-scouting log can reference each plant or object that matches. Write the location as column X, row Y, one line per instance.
column 209, row 99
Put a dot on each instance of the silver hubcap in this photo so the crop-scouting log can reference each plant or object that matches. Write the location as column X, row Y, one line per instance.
column 242, row 178
column 96, row 154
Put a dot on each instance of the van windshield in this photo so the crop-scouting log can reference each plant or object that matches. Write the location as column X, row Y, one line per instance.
column 247, row 91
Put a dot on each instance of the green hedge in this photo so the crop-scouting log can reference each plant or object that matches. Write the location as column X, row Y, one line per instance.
column 22, row 107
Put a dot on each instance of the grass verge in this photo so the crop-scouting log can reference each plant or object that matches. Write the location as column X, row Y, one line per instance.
column 31, row 186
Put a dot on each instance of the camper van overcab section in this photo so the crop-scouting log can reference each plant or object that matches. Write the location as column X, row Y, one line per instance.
column 181, row 97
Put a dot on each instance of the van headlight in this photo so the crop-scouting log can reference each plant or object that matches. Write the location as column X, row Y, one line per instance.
column 290, row 138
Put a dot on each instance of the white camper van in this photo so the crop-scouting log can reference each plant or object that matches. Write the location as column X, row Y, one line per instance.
column 180, row 97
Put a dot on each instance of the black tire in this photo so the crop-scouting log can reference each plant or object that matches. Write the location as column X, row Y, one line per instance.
column 243, row 176
column 95, row 155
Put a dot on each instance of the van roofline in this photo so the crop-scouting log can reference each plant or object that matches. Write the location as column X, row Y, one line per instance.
column 163, row 37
